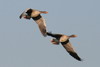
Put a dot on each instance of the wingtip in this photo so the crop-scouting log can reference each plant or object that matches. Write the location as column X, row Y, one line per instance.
column 20, row 17
column 45, row 35
column 80, row 59
column 74, row 55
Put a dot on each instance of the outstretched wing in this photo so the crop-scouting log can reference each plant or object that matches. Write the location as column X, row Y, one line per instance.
column 21, row 15
column 70, row 50
column 42, row 25
column 24, row 15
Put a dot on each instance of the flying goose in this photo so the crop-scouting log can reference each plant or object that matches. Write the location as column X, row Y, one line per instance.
column 64, row 40
column 35, row 15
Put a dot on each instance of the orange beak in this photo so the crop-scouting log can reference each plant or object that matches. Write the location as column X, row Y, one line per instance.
column 45, row 12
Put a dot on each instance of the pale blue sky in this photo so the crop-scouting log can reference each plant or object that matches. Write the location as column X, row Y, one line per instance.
column 22, row 45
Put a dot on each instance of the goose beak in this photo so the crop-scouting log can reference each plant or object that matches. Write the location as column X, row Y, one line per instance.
column 45, row 12
column 73, row 36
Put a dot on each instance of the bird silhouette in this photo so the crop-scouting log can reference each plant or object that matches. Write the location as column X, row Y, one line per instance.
column 64, row 40
column 35, row 15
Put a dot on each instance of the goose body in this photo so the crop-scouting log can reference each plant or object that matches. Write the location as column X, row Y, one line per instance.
column 64, row 40
column 35, row 15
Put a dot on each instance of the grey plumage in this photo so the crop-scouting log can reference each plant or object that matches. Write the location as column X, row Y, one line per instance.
column 35, row 15
column 42, row 25
column 68, row 47
column 64, row 40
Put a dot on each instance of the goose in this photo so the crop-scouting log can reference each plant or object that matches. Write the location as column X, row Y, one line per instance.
column 64, row 40
column 35, row 15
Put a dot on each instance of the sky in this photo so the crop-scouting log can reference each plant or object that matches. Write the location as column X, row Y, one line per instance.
column 22, row 45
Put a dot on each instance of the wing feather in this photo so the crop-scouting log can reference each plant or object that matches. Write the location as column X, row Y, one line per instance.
column 21, row 15
column 71, row 51
column 42, row 25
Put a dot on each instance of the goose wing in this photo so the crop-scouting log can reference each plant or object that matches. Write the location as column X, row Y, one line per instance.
column 21, row 15
column 24, row 15
column 42, row 25
column 70, row 50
